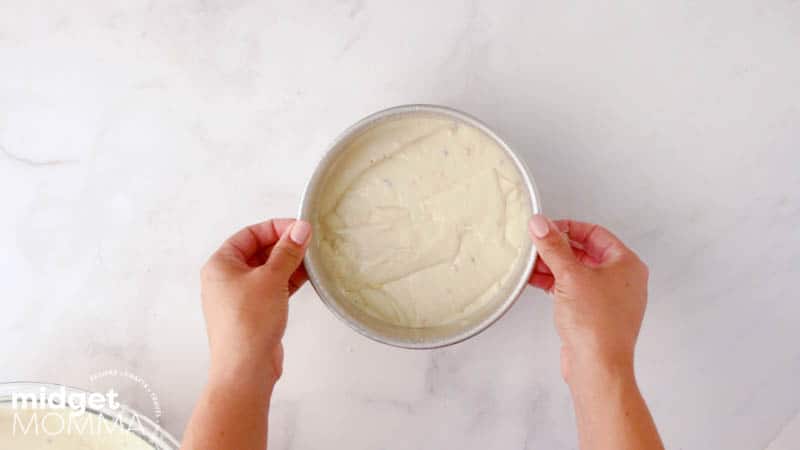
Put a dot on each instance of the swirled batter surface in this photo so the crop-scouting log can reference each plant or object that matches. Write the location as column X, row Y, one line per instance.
column 422, row 220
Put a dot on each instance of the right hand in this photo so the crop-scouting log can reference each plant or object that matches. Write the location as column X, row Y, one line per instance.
column 600, row 290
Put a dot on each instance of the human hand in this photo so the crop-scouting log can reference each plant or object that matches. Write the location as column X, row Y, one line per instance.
column 600, row 290
column 246, row 286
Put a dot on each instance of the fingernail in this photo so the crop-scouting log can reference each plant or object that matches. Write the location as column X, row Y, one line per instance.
column 539, row 225
column 300, row 232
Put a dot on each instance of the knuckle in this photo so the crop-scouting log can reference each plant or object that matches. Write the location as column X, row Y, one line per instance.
column 570, row 272
column 634, row 264
column 273, row 268
column 207, row 271
column 635, row 260
column 291, row 252
column 627, row 254
column 553, row 245
column 283, row 258
column 555, row 238
column 217, row 268
column 631, row 258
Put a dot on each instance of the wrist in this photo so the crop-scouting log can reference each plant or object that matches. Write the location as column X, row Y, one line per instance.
column 601, row 376
column 596, row 372
column 236, row 398
column 253, row 373
column 236, row 383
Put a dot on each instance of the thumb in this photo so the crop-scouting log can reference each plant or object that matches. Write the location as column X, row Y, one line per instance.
column 551, row 245
column 288, row 252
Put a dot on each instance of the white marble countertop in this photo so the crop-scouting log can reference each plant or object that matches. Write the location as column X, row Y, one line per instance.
column 135, row 136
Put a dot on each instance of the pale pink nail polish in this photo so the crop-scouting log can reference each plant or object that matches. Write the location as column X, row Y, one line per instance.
column 539, row 225
column 300, row 232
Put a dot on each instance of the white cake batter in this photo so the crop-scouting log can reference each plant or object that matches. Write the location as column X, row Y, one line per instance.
column 422, row 221
column 40, row 429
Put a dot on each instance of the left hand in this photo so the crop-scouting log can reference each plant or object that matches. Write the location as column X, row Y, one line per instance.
column 245, row 287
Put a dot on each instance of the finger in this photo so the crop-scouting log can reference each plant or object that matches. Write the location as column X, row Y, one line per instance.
column 552, row 247
column 287, row 255
column 542, row 281
column 599, row 243
column 262, row 255
column 541, row 267
column 583, row 257
column 298, row 278
column 580, row 255
column 245, row 245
